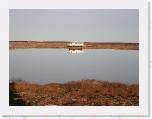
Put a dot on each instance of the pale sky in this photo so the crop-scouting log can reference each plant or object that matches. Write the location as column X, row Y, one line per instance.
column 74, row 25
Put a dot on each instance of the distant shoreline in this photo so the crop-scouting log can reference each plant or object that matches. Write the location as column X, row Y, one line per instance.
column 63, row 44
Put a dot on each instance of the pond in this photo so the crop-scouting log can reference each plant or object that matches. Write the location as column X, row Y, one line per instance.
column 57, row 65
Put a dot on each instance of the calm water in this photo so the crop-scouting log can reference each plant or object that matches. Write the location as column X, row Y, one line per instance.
column 56, row 65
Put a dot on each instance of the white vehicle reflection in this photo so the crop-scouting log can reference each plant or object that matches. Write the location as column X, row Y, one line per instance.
column 75, row 51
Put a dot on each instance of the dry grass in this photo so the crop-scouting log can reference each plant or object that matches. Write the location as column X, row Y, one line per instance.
column 83, row 92
column 63, row 44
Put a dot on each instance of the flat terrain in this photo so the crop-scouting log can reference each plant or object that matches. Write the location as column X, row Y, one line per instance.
column 59, row 44
column 74, row 93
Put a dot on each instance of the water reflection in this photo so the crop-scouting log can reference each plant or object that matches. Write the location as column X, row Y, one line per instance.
column 56, row 65
column 75, row 51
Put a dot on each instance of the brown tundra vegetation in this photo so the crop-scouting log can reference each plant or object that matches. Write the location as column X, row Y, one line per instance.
column 63, row 44
column 74, row 93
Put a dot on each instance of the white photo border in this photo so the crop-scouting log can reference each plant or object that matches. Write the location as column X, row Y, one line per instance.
column 141, row 110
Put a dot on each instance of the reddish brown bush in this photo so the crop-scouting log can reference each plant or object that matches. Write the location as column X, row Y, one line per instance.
column 83, row 92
